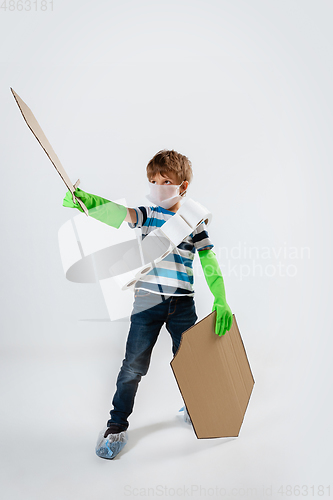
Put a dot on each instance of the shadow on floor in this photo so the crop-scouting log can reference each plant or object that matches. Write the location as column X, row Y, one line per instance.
column 136, row 435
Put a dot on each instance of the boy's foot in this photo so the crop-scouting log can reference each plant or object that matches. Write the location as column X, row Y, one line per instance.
column 111, row 441
column 186, row 416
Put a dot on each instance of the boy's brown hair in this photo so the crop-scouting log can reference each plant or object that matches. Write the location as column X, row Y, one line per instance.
column 170, row 161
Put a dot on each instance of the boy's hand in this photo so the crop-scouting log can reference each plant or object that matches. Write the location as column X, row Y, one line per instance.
column 99, row 208
column 223, row 317
column 68, row 200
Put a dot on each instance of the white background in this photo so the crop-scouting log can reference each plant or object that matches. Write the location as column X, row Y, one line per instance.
column 244, row 90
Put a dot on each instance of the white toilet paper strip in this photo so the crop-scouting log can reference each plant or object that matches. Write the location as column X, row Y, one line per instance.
column 92, row 251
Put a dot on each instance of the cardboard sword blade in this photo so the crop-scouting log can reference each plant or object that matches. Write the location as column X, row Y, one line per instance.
column 41, row 138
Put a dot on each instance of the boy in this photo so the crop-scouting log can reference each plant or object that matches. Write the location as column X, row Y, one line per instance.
column 165, row 294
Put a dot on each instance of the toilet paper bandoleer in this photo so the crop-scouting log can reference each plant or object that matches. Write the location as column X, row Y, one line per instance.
column 165, row 294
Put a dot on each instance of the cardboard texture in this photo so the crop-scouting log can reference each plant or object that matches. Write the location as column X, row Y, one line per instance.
column 41, row 138
column 214, row 377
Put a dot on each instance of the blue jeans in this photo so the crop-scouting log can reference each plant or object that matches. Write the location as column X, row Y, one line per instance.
column 150, row 312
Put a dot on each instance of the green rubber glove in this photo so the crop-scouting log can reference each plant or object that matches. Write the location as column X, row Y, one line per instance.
column 215, row 282
column 101, row 209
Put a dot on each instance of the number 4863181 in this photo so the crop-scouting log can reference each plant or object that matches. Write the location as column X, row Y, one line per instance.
column 27, row 5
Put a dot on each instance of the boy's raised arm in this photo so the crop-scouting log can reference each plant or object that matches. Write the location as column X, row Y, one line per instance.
column 101, row 209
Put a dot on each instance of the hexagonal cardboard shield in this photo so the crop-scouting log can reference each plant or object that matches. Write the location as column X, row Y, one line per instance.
column 214, row 377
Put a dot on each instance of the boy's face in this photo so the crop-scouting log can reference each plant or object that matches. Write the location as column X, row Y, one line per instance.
column 169, row 179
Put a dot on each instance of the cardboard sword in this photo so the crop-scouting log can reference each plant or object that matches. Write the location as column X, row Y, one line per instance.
column 41, row 138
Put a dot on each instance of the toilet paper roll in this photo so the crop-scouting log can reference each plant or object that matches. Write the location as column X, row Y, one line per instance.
column 194, row 213
column 127, row 280
column 144, row 270
column 176, row 229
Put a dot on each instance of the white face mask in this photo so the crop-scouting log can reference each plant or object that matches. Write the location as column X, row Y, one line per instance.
column 164, row 196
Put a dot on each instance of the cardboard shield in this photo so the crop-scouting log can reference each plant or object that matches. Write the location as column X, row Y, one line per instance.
column 214, row 378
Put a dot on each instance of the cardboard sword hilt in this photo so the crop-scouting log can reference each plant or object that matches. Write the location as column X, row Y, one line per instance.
column 41, row 138
column 75, row 198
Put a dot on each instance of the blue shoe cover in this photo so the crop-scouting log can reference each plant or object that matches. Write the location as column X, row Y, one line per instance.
column 186, row 415
column 110, row 446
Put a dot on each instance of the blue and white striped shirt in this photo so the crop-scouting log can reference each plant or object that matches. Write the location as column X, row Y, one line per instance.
column 174, row 274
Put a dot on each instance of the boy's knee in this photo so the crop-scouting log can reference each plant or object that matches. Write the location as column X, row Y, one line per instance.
column 135, row 369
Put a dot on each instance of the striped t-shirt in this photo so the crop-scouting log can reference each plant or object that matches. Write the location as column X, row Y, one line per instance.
column 174, row 274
